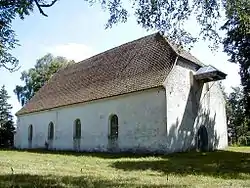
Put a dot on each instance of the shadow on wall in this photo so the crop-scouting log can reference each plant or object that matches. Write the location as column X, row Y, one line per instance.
column 197, row 128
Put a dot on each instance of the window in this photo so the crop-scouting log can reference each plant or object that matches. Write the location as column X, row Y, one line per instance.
column 30, row 132
column 77, row 129
column 113, row 126
column 51, row 131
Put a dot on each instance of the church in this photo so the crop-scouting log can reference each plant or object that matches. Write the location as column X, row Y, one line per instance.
column 143, row 96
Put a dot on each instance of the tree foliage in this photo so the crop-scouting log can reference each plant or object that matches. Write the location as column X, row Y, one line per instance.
column 237, row 43
column 168, row 16
column 6, row 120
column 9, row 10
column 36, row 77
column 238, row 122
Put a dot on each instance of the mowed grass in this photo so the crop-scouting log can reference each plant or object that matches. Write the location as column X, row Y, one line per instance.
column 228, row 168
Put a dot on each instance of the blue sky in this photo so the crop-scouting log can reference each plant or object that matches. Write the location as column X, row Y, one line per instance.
column 76, row 30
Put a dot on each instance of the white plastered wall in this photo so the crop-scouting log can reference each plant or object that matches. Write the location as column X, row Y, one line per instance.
column 142, row 123
column 191, row 104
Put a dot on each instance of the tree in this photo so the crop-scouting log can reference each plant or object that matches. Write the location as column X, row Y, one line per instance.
column 163, row 15
column 9, row 10
column 36, row 77
column 238, row 122
column 168, row 16
column 237, row 43
column 6, row 120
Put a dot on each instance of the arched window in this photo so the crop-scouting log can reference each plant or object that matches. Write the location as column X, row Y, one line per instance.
column 30, row 132
column 113, row 126
column 51, row 131
column 77, row 129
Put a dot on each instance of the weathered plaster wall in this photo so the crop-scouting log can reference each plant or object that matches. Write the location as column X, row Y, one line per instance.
column 142, row 123
column 214, row 104
column 163, row 120
column 190, row 105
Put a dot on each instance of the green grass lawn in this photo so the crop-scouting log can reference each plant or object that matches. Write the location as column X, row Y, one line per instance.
column 229, row 168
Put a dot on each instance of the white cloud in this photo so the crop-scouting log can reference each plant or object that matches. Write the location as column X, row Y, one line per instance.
column 74, row 51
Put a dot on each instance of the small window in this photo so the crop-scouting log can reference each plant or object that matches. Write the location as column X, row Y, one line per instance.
column 51, row 131
column 77, row 129
column 113, row 126
column 30, row 132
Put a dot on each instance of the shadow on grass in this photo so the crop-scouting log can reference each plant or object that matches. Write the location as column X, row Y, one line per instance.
column 103, row 155
column 30, row 181
column 223, row 164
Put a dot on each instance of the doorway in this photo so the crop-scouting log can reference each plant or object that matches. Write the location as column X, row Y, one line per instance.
column 202, row 142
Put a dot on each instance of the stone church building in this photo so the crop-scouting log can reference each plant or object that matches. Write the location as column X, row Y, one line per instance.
column 142, row 96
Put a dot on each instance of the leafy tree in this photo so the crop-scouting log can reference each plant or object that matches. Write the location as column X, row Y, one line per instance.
column 237, row 43
column 36, row 77
column 168, row 16
column 162, row 15
column 9, row 10
column 6, row 120
column 238, row 122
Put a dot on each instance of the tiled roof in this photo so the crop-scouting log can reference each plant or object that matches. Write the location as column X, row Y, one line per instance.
column 134, row 66
column 186, row 55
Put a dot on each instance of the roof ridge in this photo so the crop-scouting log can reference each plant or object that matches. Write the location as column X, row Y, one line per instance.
column 184, row 53
column 119, row 46
column 136, row 65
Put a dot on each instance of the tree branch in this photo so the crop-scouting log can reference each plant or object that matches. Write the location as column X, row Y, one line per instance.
column 11, row 69
column 39, row 6
column 49, row 5
column 40, row 9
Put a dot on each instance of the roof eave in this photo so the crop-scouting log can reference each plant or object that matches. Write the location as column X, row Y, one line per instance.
column 211, row 76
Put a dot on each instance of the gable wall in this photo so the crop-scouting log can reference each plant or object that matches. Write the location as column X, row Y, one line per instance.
column 189, row 106
column 142, row 123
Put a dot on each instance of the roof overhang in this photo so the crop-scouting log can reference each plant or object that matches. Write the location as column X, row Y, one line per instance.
column 209, row 73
